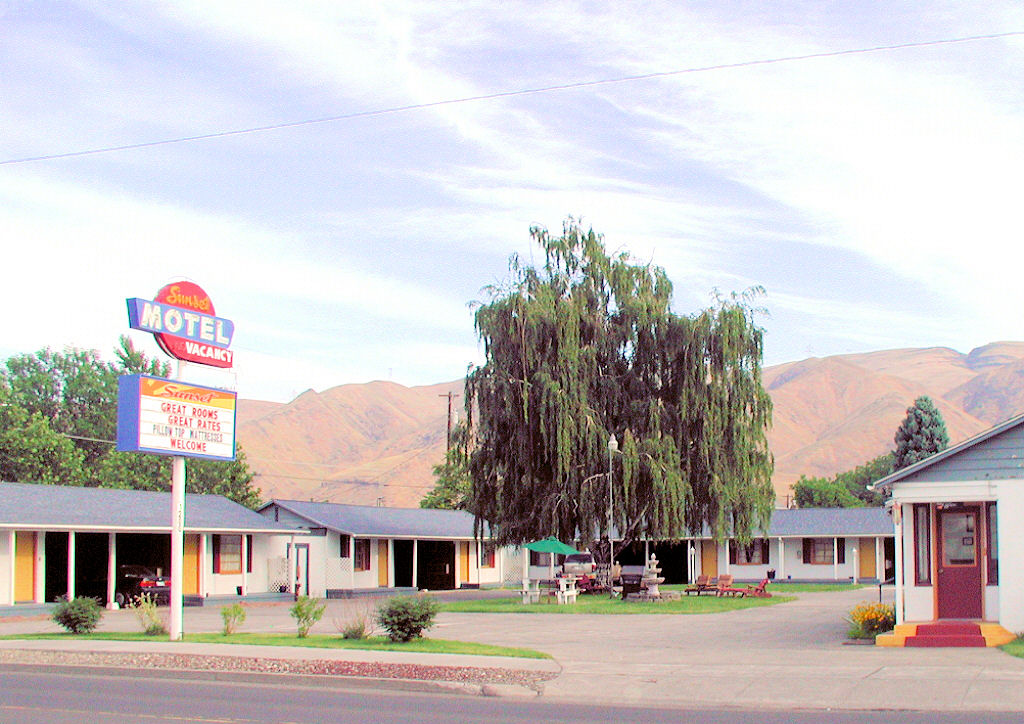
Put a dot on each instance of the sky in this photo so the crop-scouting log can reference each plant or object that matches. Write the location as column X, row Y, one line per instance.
column 874, row 195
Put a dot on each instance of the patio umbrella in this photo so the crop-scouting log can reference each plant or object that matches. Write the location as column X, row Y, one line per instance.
column 551, row 545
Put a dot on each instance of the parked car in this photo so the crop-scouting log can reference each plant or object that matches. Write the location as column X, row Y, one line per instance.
column 134, row 581
column 578, row 564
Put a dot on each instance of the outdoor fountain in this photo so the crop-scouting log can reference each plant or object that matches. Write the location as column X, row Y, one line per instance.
column 651, row 578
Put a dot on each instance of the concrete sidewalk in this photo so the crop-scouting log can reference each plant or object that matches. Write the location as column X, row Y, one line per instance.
column 785, row 656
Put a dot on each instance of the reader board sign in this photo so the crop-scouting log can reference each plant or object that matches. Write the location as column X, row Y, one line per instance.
column 168, row 417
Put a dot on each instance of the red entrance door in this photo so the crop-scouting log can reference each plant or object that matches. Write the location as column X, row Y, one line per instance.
column 959, row 580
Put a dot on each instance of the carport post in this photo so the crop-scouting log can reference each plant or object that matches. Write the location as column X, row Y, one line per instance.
column 177, row 543
column 12, row 537
column 71, row 564
column 111, row 569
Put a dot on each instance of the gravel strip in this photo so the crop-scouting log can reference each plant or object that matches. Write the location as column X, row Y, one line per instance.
column 461, row 674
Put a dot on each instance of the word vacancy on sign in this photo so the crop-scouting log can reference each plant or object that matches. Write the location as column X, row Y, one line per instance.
column 168, row 417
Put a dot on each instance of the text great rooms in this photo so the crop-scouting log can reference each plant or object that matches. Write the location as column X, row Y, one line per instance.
column 189, row 428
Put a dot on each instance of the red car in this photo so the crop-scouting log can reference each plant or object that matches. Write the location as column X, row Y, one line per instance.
column 134, row 581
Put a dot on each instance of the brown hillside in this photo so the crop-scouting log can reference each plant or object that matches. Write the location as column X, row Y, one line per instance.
column 359, row 443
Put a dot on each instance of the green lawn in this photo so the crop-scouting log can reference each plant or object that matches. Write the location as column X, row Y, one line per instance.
column 784, row 587
column 605, row 605
column 1015, row 647
column 376, row 643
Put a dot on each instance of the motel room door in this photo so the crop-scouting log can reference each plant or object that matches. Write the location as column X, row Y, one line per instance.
column 959, row 590
column 708, row 558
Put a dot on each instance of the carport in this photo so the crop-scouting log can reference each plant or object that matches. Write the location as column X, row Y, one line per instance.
column 66, row 541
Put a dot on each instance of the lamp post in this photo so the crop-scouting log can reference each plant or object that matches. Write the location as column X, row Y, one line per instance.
column 613, row 447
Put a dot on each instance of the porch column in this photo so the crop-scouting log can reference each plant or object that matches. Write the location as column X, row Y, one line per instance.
column 691, row 560
column 111, row 569
column 391, row 562
column 835, row 558
column 897, row 519
column 526, row 563
column 245, row 564
column 415, row 561
column 293, row 563
column 880, row 558
column 781, row 573
column 39, row 595
column 202, row 564
column 12, row 537
column 71, row 564
column 725, row 549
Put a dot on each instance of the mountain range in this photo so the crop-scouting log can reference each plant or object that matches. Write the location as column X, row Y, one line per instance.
column 376, row 443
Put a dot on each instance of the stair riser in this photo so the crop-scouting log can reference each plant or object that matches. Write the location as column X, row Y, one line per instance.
column 945, row 642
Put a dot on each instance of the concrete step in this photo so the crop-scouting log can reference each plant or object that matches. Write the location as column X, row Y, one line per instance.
column 946, row 634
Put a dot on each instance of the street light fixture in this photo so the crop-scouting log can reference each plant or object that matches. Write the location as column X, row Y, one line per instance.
column 613, row 447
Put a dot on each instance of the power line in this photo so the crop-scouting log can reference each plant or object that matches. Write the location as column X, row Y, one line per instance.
column 512, row 94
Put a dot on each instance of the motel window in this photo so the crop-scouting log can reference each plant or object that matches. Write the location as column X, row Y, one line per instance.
column 361, row 554
column 227, row 553
column 344, row 546
column 922, row 545
column 818, row 551
column 486, row 554
column 992, row 559
column 754, row 553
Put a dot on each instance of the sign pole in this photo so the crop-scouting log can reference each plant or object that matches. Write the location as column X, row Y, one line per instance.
column 177, row 536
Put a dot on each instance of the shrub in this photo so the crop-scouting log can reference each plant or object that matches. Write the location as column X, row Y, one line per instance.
column 870, row 619
column 358, row 621
column 234, row 616
column 80, row 615
column 306, row 612
column 149, row 618
column 406, row 617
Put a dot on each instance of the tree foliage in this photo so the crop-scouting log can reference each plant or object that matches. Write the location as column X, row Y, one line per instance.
column 585, row 346
column 58, row 419
column 845, row 490
column 452, row 483
column 921, row 434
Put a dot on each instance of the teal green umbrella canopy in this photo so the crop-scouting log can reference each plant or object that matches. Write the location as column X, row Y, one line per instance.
column 551, row 545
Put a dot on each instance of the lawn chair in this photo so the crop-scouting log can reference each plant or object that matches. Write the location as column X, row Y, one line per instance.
column 759, row 591
column 723, row 587
column 703, row 583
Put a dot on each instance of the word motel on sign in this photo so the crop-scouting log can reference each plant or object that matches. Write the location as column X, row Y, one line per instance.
column 149, row 316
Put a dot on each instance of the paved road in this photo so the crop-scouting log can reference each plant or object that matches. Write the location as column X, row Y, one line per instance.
column 775, row 657
column 40, row 698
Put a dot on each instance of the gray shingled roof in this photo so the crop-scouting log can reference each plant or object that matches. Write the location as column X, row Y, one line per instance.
column 822, row 522
column 54, row 507
column 378, row 522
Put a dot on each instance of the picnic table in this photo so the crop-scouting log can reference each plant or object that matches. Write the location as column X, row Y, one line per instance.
column 562, row 588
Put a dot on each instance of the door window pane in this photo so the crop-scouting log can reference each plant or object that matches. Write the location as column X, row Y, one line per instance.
column 959, row 540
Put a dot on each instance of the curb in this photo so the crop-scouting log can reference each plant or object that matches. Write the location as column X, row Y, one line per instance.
column 310, row 681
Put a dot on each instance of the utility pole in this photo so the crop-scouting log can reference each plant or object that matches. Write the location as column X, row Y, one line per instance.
column 450, row 396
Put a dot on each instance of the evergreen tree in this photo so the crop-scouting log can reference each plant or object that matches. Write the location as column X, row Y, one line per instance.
column 587, row 346
column 921, row 434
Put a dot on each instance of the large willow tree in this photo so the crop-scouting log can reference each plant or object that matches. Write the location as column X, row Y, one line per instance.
column 587, row 346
